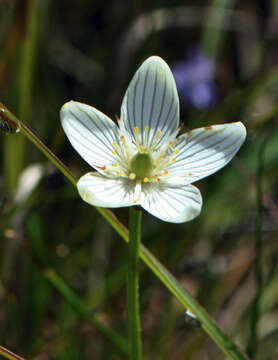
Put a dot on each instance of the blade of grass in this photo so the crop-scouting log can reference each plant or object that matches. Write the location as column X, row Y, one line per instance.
column 85, row 311
column 42, row 262
column 14, row 155
column 208, row 324
column 258, row 265
column 7, row 354
column 213, row 34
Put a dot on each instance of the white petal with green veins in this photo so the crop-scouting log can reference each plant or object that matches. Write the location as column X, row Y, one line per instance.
column 98, row 190
column 151, row 100
column 174, row 204
column 90, row 132
column 204, row 151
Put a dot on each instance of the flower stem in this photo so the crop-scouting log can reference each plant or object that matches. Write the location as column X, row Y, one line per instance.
column 7, row 354
column 134, row 330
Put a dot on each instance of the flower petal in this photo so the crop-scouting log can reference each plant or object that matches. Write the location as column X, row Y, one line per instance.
column 174, row 204
column 90, row 132
column 101, row 191
column 151, row 100
column 204, row 151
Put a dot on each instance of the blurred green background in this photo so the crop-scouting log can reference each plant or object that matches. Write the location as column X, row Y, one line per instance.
column 224, row 56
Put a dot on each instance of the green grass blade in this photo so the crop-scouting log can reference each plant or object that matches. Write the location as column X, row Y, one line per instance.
column 85, row 311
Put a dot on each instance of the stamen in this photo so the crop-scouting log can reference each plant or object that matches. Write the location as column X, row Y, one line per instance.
column 155, row 140
column 117, row 118
column 136, row 130
column 146, row 179
column 125, row 147
column 132, row 176
column 119, row 151
column 164, row 151
column 114, row 164
column 165, row 172
column 120, row 174
column 146, row 135
column 137, row 191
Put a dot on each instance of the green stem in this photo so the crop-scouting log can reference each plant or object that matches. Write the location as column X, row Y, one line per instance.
column 208, row 324
column 8, row 354
column 134, row 329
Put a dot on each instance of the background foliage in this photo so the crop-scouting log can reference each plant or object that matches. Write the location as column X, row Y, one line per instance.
column 222, row 52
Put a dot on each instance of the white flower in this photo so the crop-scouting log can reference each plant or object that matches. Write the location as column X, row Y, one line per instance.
column 142, row 161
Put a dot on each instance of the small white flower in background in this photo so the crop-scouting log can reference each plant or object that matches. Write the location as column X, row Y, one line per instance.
column 141, row 161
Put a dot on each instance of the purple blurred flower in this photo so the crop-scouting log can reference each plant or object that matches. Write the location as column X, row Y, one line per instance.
column 195, row 79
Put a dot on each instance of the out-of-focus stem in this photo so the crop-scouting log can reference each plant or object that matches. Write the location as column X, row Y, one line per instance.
column 86, row 312
column 14, row 149
column 258, row 267
column 213, row 28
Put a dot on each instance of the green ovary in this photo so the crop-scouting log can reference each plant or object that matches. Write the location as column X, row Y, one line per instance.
column 142, row 165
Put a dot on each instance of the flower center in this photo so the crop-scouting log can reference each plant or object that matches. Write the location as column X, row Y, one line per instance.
column 148, row 164
column 142, row 165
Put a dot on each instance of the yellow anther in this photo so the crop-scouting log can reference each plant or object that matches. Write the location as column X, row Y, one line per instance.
column 132, row 176
column 146, row 179
column 136, row 129
column 165, row 172
column 114, row 164
column 113, row 153
column 173, row 160
column 147, row 127
column 120, row 174
column 177, row 152
column 170, row 143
